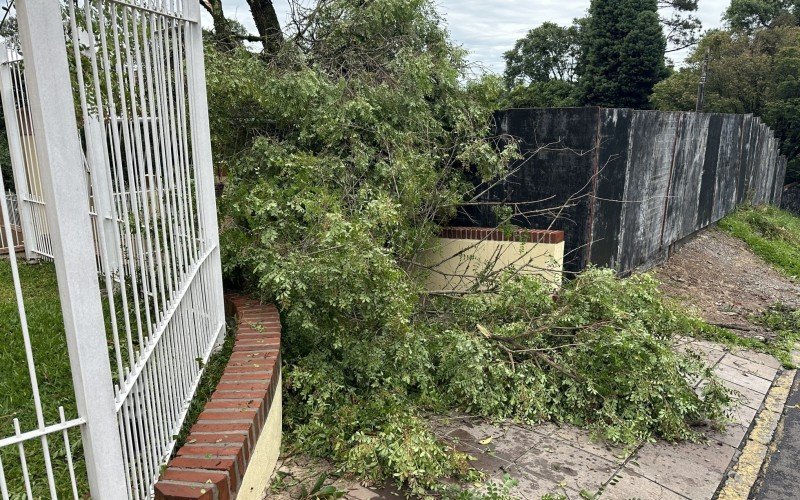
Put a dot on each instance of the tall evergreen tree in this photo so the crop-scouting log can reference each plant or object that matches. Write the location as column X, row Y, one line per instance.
column 622, row 57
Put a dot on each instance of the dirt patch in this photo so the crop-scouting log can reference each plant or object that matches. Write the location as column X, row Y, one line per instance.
column 722, row 281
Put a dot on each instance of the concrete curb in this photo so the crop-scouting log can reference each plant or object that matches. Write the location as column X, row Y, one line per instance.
column 744, row 474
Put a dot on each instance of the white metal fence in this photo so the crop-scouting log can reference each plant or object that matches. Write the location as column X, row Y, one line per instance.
column 108, row 131
column 14, row 244
column 22, row 150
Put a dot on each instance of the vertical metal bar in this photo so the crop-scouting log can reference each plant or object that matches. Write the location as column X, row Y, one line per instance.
column 202, row 158
column 15, row 150
column 68, row 449
column 93, row 132
column 23, row 461
column 59, row 150
column 3, row 484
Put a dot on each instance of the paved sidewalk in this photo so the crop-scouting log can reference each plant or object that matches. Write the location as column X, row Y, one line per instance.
column 550, row 459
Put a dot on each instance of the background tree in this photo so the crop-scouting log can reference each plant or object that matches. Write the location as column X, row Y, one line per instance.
column 229, row 34
column 269, row 29
column 751, row 15
column 754, row 67
column 540, row 69
column 682, row 27
column 546, row 53
column 622, row 56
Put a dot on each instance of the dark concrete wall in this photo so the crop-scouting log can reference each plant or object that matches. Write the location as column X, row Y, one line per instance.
column 626, row 185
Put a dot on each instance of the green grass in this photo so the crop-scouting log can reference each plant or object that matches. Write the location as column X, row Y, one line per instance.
column 49, row 348
column 779, row 319
column 772, row 234
column 208, row 383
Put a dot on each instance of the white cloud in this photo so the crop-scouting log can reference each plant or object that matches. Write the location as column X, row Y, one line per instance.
column 487, row 28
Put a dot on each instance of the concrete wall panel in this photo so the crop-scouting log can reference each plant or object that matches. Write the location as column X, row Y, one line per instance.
column 625, row 185
column 726, row 169
column 687, row 176
column 652, row 146
column 612, row 163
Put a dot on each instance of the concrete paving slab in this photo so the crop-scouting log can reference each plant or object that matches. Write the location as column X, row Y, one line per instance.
column 480, row 435
column 729, row 372
column 733, row 434
column 628, row 485
column 690, row 469
column 710, row 353
column 516, row 442
column 483, row 458
column 532, row 487
column 758, row 357
column 557, row 463
column 580, row 439
column 750, row 366
column 749, row 397
column 358, row 492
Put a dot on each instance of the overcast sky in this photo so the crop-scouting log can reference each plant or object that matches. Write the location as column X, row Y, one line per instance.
column 487, row 28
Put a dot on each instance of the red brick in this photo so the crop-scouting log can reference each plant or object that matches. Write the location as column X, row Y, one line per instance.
column 217, row 451
column 218, row 481
column 263, row 370
column 222, row 440
column 176, row 491
column 229, row 414
column 244, row 386
column 237, row 403
column 224, row 464
column 200, row 451
column 237, row 395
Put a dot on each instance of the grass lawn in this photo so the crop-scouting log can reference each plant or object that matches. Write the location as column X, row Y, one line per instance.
column 52, row 369
column 771, row 233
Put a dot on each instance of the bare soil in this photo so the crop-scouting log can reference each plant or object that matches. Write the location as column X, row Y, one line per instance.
column 718, row 278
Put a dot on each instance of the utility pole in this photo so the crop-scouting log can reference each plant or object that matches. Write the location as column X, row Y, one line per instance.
column 701, row 91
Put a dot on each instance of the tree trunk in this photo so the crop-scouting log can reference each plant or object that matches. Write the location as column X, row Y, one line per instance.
column 269, row 29
column 222, row 30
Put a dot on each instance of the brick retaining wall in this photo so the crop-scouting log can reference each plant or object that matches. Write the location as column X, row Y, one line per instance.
column 212, row 463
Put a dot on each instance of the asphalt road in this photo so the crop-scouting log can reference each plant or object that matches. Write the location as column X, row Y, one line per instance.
column 781, row 479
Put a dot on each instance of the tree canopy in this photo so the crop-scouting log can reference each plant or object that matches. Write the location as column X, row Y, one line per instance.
column 548, row 52
column 751, row 15
column 622, row 56
column 754, row 67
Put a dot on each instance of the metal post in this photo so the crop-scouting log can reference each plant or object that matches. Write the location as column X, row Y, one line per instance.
column 701, row 91
column 201, row 149
column 18, row 166
column 63, row 181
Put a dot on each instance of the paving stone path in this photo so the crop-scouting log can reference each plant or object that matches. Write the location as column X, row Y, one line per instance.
column 550, row 459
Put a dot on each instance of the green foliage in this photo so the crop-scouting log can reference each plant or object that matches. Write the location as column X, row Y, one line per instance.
column 622, row 56
column 598, row 356
column 784, row 322
column 546, row 53
column 550, row 94
column 751, row 15
column 772, row 234
column 344, row 155
column 754, row 73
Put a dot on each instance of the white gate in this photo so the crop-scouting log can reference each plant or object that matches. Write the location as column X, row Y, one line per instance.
column 119, row 85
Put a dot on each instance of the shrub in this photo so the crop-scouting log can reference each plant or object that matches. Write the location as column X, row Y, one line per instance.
column 343, row 156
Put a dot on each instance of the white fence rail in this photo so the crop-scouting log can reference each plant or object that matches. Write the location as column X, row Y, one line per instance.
column 15, row 244
column 122, row 189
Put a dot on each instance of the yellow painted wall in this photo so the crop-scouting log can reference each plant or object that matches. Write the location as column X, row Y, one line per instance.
column 455, row 264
